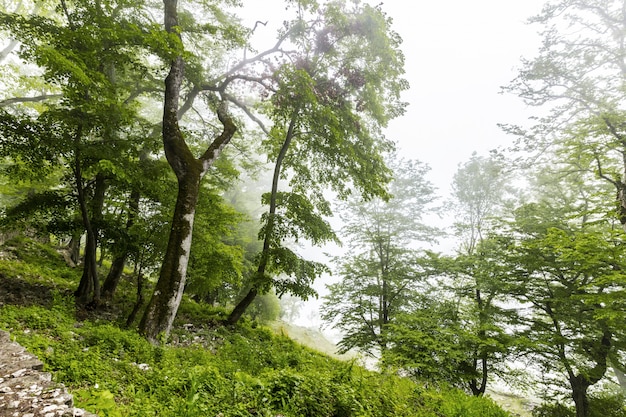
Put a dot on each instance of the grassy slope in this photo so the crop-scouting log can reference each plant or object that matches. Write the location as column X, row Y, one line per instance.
column 206, row 370
column 315, row 339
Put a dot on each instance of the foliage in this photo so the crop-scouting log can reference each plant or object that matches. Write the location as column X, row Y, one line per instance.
column 240, row 371
column 431, row 345
column 381, row 273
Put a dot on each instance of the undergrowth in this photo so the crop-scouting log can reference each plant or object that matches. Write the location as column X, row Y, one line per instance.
column 206, row 369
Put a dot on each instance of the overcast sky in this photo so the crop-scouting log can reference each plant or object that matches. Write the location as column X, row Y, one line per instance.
column 458, row 54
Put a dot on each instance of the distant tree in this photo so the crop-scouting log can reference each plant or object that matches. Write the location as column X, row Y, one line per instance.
column 480, row 188
column 290, row 307
column 380, row 275
column 576, row 80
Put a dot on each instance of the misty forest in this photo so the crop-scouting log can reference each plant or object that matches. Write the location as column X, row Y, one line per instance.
column 167, row 187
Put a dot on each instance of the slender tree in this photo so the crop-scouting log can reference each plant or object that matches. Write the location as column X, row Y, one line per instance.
column 380, row 275
column 330, row 104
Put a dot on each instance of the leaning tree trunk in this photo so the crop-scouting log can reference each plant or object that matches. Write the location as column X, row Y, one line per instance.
column 119, row 261
column 163, row 306
column 259, row 276
column 168, row 292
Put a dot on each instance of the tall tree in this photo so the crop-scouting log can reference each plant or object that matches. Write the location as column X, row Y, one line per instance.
column 189, row 171
column 79, row 59
column 566, row 279
column 380, row 274
column 576, row 80
column 480, row 188
column 328, row 111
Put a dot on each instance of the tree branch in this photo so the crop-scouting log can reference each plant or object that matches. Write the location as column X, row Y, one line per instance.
column 43, row 97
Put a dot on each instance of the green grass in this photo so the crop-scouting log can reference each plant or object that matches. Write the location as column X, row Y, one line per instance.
column 249, row 370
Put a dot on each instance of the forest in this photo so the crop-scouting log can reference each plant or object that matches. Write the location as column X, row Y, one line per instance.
column 163, row 182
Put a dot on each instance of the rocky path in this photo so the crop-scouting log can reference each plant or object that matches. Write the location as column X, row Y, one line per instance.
column 27, row 391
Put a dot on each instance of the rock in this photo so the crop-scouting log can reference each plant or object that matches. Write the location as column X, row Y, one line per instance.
column 27, row 391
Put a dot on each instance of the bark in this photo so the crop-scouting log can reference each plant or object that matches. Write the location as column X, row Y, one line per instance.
column 138, row 302
column 579, row 395
column 74, row 247
column 163, row 306
column 113, row 277
column 242, row 306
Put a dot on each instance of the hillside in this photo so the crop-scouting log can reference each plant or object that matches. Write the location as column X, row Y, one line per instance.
column 206, row 369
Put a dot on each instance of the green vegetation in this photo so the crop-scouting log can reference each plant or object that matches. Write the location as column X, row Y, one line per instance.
column 204, row 370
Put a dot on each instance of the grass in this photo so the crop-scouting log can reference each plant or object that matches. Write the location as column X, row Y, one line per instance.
column 206, row 369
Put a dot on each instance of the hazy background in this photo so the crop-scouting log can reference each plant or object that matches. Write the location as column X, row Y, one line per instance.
column 458, row 56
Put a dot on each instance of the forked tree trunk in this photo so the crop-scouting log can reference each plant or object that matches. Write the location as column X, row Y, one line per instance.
column 163, row 306
column 88, row 291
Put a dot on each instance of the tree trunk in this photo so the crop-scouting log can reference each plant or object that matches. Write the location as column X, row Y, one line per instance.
column 89, row 286
column 117, row 266
column 241, row 307
column 74, row 247
column 579, row 386
column 138, row 302
column 478, row 388
column 163, row 305
column 114, row 275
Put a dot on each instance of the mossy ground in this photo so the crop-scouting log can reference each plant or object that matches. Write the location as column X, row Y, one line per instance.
column 205, row 369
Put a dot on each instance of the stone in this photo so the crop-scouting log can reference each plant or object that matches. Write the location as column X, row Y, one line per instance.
column 25, row 391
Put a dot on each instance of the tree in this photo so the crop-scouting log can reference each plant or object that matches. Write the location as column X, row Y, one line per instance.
column 566, row 279
column 331, row 101
column 431, row 344
column 480, row 188
column 576, row 80
column 85, row 128
column 380, row 274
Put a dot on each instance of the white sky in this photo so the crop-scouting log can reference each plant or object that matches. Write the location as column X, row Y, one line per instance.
column 458, row 54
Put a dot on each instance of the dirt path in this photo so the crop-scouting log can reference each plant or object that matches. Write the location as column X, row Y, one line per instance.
column 27, row 391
